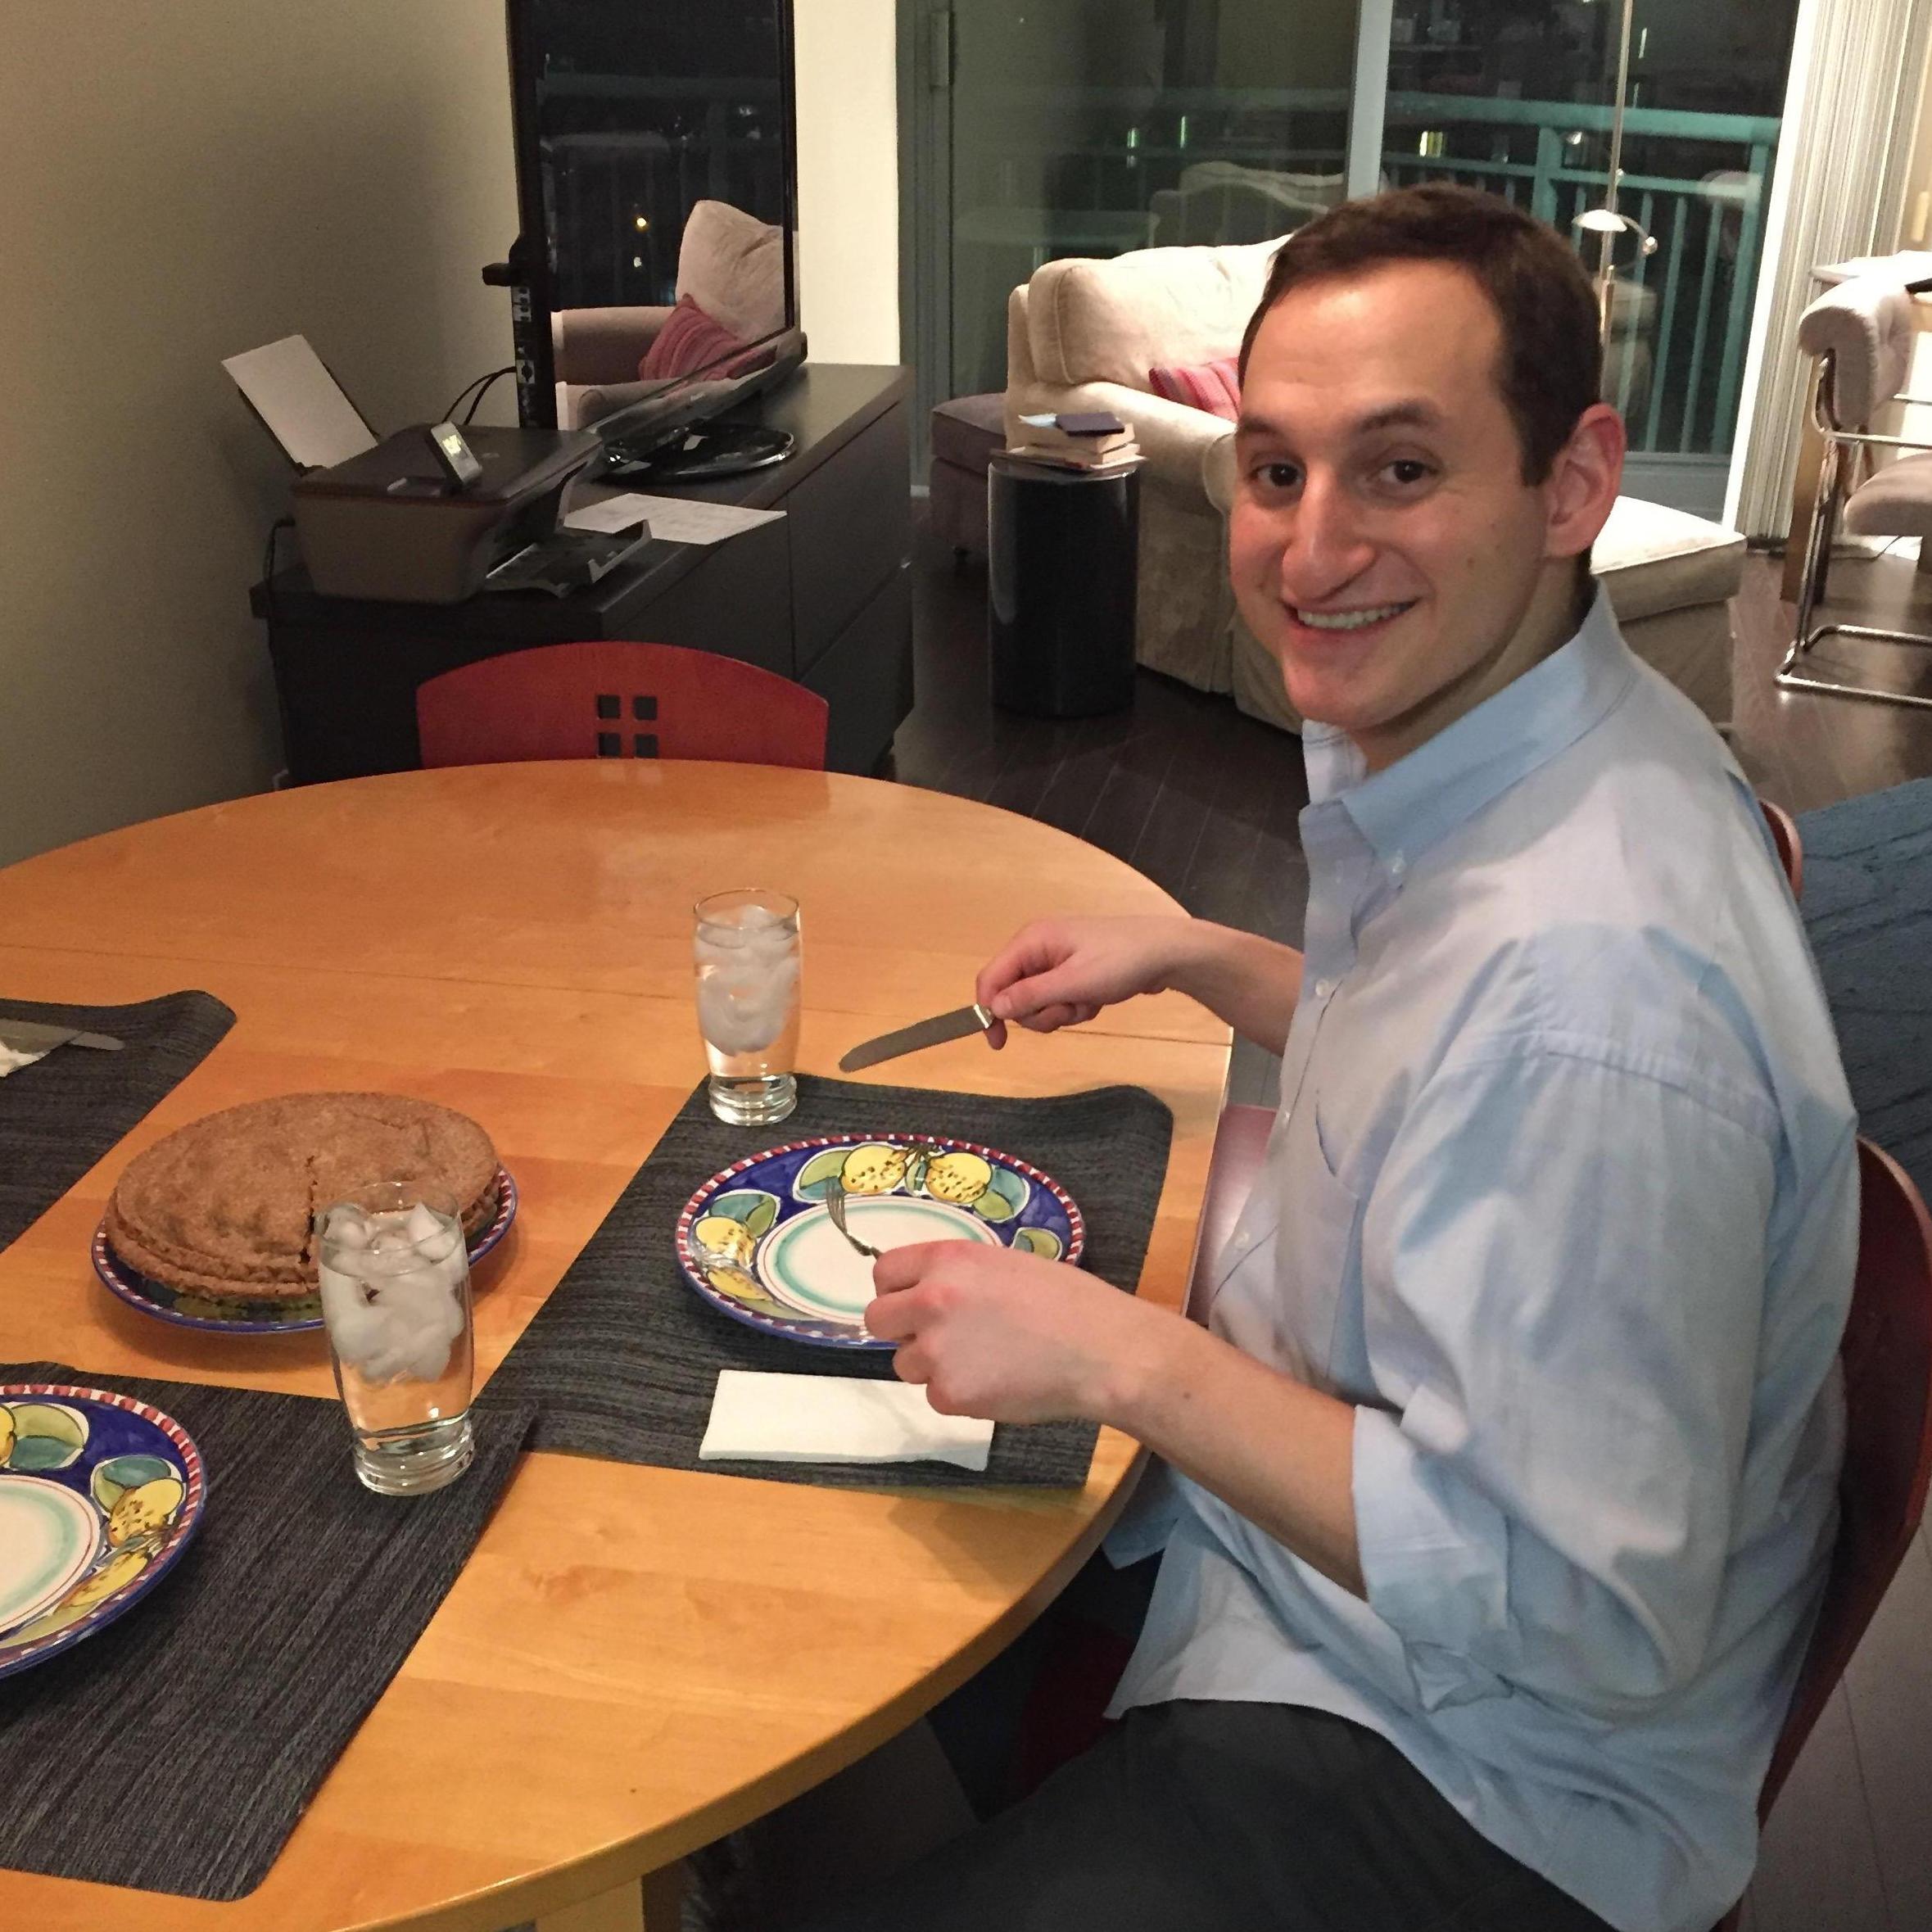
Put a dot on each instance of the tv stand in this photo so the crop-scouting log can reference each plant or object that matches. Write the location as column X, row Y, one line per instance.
column 822, row 594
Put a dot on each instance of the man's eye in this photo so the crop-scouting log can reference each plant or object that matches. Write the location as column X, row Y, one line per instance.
column 1406, row 471
column 1277, row 476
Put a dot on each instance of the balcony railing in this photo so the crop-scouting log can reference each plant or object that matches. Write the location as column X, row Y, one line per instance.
column 1686, row 315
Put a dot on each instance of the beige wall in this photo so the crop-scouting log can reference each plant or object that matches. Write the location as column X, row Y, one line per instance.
column 848, row 173
column 185, row 179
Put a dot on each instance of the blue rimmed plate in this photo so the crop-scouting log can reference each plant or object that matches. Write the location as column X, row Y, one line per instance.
column 231, row 1316
column 757, row 1241
column 99, row 1495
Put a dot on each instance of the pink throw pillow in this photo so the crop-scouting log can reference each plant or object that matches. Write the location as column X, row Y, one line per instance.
column 1214, row 387
column 689, row 341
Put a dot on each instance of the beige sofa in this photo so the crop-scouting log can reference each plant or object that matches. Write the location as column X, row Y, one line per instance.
column 728, row 263
column 1082, row 334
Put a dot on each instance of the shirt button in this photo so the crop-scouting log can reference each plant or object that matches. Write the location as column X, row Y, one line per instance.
column 1398, row 865
column 1323, row 988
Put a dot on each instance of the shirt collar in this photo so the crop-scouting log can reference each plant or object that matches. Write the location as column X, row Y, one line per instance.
column 1450, row 778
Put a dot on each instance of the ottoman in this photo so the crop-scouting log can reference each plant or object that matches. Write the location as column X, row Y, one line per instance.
column 966, row 431
column 1670, row 578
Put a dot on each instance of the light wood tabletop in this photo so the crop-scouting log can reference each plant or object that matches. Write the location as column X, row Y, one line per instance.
column 635, row 1660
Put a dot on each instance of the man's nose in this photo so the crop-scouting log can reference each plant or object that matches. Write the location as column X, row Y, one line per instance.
column 1328, row 545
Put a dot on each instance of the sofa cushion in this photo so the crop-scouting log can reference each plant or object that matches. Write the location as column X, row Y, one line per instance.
column 1214, row 387
column 732, row 265
column 689, row 342
column 1895, row 502
column 1112, row 321
column 1653, row 559
column 968, row 429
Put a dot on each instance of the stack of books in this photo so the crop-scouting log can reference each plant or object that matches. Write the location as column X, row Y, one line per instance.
column 1097, row 440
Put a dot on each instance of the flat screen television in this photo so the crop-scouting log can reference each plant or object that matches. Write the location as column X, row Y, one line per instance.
column 654, row 283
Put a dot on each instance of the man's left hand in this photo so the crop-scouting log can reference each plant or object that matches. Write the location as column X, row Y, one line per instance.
column 1009, row 1337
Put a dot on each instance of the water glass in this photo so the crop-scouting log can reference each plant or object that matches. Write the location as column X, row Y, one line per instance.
column 395, row 1272
column 746, row 952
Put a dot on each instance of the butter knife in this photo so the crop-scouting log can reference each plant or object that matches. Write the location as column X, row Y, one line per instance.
column 955, row 1026
column 36, row 1036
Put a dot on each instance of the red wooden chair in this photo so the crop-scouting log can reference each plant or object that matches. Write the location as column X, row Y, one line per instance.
column 1784, row 833
column 617, row 701
column 1887, row 1356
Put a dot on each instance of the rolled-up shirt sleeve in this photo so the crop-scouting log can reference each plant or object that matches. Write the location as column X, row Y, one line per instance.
column 1563, row 1265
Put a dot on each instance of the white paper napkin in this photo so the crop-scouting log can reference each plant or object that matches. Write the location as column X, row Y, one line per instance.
column 832, row 1418
column 11, row 1062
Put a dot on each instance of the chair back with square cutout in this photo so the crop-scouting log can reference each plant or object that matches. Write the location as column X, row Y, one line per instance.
column 612, row 699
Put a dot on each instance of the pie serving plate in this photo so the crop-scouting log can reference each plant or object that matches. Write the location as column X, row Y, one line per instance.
column 757, row 1241
column 230, row 1315
column 99, row 1495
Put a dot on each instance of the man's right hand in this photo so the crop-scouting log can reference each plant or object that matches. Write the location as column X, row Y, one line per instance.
column 1061, row 972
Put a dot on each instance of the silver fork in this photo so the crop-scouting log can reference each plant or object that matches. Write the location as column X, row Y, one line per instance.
column 835, row 1203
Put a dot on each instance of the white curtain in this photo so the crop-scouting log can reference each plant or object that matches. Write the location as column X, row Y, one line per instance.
column 1850, row 111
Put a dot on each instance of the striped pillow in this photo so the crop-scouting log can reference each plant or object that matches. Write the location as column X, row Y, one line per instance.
column 1214, row 387
column 689, row 340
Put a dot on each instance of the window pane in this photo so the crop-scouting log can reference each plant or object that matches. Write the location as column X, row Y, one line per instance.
column 1092, row 127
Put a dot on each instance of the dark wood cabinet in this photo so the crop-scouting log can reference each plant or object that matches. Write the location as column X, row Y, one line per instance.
column 822, row 595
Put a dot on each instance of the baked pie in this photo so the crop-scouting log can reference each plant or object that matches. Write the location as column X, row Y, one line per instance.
column 225, row 1206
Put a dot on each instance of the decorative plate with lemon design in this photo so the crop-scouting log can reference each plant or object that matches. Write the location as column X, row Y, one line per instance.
column 757, row 1242
column 99, row 1494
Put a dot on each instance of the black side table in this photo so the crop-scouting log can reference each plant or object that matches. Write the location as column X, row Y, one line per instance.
column 1062, row 586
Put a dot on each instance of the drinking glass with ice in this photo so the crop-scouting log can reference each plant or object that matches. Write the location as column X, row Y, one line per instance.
column 395, row 1276
column 747, row 954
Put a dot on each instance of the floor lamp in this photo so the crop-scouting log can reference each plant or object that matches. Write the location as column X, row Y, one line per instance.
column 1608, row 222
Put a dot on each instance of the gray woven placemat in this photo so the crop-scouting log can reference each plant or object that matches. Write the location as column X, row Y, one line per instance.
column 60, row 1116
column 175, row 1749
column 623, row 1358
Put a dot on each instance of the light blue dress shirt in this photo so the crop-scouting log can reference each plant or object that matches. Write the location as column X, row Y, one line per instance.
column 1563, row 1196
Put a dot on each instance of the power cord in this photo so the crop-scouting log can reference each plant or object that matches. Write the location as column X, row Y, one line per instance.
column 482, row 386
column 476, row 401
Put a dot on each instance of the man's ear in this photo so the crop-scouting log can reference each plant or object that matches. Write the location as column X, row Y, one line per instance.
column 1581, row 487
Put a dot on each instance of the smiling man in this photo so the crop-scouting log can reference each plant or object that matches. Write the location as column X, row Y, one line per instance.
column 1496, row 1481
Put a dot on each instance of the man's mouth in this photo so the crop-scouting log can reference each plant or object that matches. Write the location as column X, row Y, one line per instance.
column 1358, row 619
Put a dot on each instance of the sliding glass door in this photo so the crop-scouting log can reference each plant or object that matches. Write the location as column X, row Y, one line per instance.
column 1037, row 129
column 1516, row 97
column 1049, row 128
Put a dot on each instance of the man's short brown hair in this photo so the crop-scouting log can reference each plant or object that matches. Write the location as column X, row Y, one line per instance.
column 1551, row 367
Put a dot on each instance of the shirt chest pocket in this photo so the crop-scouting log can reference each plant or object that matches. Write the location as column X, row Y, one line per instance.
column 1290, row 1287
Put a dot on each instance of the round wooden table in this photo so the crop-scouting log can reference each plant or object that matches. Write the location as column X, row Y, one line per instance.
column 635, row 1660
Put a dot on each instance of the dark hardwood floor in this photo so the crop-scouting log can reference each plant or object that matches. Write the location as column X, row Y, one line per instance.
column 1205, row 802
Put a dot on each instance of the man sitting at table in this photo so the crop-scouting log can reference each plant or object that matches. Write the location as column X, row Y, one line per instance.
column 1497, row 1489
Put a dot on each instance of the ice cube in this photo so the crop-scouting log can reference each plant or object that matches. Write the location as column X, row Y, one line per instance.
column 345, row 1226
column 429, row 1356
column 383, row 1265
column 357, row 1330
column 388, row 1232
column 439, row 1246
column 411, row 1286
column 386, row 1362
column 353, row 1263
column 421, row 1222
